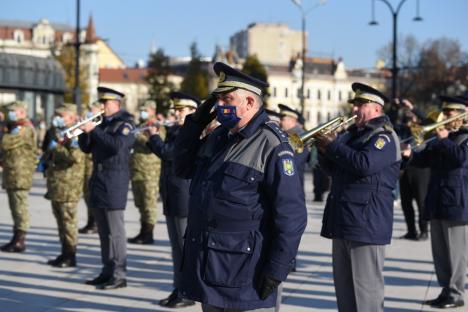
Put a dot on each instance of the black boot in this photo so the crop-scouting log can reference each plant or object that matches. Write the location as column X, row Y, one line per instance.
column 145, row 237
column 67, row 259
column 17, row 243
column 90, row 227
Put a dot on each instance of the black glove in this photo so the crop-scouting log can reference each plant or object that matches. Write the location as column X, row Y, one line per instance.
column 323, row 140
column 202, row 115
column 267, row 286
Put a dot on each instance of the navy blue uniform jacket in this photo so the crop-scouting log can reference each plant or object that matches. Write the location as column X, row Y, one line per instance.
column 246, row 214
column 110, row 144
column 174, row 190
column 364, row 165
column 447, row 196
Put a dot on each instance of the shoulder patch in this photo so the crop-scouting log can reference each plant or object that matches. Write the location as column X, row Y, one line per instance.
column 380, row 143
column 386, row 137
column 125, row 130
column 285, row 152
column 282, row 136
column 288, row 166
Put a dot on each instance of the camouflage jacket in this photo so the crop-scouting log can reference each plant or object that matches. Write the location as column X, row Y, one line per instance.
column 144, row 165
column 19, row 156
column 88, row 171
column 65, row 173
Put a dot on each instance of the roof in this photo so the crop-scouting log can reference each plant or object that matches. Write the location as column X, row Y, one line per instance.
column 29, row 24
column 123, row 75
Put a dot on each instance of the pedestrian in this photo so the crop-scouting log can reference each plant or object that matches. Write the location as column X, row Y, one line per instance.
column 110, row 143
column 364, row 164
column 174, row 190
column 65, row 175
column 247, row 208
column 19, row 159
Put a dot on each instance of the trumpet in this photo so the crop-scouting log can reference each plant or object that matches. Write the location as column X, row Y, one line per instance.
column 298, row 142
column 419, row 133
column 75, row 130
column 157, row 124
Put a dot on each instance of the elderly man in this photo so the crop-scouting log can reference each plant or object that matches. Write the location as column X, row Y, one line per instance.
column 247, row 209
column 110, row 143
column 364, row 163
column 447, row 202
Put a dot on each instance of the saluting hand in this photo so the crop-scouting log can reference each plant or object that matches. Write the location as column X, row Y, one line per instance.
column 202, row 115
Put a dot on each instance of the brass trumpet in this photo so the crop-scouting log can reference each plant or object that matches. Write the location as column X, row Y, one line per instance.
column 167, row 123
column 419, row 133
column 298, row 142
column 75, row 130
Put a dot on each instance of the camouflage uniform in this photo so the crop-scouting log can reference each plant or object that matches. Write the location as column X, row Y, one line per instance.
column 145, row 168
column 18, row 152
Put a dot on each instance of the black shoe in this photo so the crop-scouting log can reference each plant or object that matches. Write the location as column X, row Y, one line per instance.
column 435, row 301
column 318, row 199
column 56, row 260
column 172, row 296
column 410, row 236
column 423, row 236
column 113, row 283
column 449, row 303
column 101, row 279
column 179, row 303
column 88, row 229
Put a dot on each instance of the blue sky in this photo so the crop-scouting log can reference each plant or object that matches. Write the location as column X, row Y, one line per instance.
column 338, row 29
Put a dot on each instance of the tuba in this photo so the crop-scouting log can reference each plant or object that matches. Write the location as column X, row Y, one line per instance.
column 419, row 133
column 298, row 142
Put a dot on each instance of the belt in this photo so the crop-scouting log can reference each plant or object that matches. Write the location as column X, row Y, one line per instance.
column 230, row 225
column 101, row 166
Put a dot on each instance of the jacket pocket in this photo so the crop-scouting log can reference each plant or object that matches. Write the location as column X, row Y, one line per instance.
column 354, row 205
column 228, row 261
column 238, row 184
column 451, row 193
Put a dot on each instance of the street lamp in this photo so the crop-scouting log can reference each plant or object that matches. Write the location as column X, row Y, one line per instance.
column 394, row 13
column 304, row 14
column 76, row 89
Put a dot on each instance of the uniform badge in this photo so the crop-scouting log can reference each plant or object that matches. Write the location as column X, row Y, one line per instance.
column 380, row 143
column 125, row 131
column 222, row 77
column 288, row 167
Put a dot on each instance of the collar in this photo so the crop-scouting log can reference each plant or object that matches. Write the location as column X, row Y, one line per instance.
column 251, row 127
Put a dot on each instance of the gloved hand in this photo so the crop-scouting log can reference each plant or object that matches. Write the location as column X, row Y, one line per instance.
column 323, row 140
column 74, row 143
column 202, row 115
column 267, row 286
column 52, row 145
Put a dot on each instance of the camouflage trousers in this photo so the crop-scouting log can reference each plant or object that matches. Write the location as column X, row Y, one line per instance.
column 18, row 201
column 67, row 221
column 144, row 195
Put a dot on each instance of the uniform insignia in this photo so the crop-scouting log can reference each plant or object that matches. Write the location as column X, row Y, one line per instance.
column 282, row 153
column 380, row 143
column 288, row 167
column 222, row 77
column 125, row 131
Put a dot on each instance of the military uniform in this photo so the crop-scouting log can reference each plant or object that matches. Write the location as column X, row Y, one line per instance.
column 446, row 206
column 364, row 164
column 175, row 196
column 18, row 150
column 145, row 169
column 110, row 144
column 247, row 209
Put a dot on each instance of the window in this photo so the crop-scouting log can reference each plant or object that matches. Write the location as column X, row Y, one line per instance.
column 319, row 118
column 299, row 93
column 286, row 92
column 329, row 95
column 328, row 116
column 274, row 91
column 340, row 96
column 18, row 36
column 308, row 93
column 319, row 95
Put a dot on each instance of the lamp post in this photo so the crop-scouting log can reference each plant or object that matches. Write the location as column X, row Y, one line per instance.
column 394, row 13
column 76, row 89
column 304, row 14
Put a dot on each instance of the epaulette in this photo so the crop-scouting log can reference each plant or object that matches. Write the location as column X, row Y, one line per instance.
column 273, row 126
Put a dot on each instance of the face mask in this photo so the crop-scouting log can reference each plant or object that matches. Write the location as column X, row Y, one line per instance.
column 144, row 115
column 58, row 122
column 89, row 114
column 226, row 116
column 12, row 116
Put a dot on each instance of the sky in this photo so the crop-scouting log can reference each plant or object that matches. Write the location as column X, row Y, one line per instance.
column 336, row 29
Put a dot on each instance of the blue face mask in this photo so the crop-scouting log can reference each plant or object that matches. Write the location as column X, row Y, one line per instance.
column 226, row 116
column 89, row 114
column 58, row 122
column 144, row 115
column 12, row 116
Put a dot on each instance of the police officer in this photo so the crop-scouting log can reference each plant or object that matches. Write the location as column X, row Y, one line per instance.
column 290, row 123
column 447, row 202
column 364, row 163
column 110, row 144
column 246, row 209
column 174, row 191
column 90, row 227
column 18, row 150
column 65, row 175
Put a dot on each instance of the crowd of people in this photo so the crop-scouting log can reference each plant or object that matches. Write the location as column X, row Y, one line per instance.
column 232, row 189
